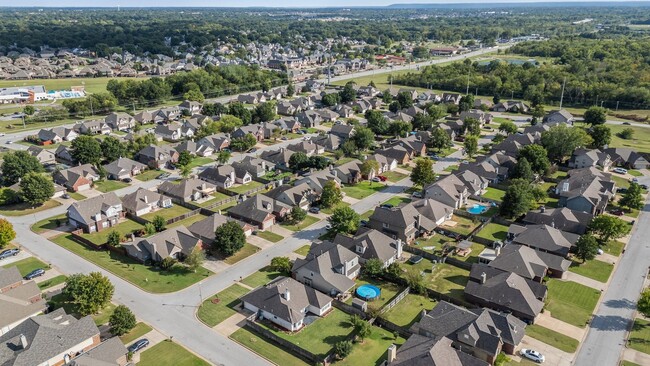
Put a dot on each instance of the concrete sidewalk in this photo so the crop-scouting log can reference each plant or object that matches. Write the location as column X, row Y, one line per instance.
column 547, row 321
column 571, row 276
column 635, row 356
column 553, row 355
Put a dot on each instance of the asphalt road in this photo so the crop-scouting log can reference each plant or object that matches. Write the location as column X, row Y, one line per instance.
column 605, row 339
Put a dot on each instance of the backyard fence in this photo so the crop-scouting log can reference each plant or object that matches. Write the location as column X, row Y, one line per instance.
column 183, row 216
column 283, row 343
column 77, row 237
column 395, row 300
column 402, row 331
column 349, row 309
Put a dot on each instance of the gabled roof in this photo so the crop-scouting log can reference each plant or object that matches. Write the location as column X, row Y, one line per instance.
column 432, row 209
column 402, row 217
column 140, row 199
column 280, row 156
column 217, row 173
column 90, row 207
column 544, row 237
column 564, row 219
column 377, row 245
column 185, row 188
column 328, row 259
column 424, row 351
column 258, row 208
column 122, row 165
column 207, row 227
column 166, row 242
column 528, row 262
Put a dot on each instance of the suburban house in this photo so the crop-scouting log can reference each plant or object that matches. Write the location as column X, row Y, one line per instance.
column 280, row 158
column 286, row 302
column 44, row 156
column 505, row 292
column 529, row 263
column 18, row 301
column 309, row 118
column 397, row 153
column 627, row 157
column 436, row 211
column 483, row 333
column 63, row 155
column 494, row 168
column 109, row 352
column 564, row 219
column 477, row 114
column 176, row 243
column 56, row 135
column 144, row 201
column 195, row 148
column 260, row 210
column 350, row 172
column 476, row 184
column 317, row 180
column 286, row 109
column 78, row 178
column 216, row 142
column 172, row 132
column 187, row 190
column 94, row 127
column 190, row 107
column 124, row 168
column 329, row 268
column 120, row 121
column 248, row 99
column 297, row 195
column 369, row 243
column 255, row 130
column 224, row 176
column 307, row 147
column 543, row 237
column 386, row 164
column 329, row 142
column 438, row 351
column 50, row 339
column 96, row 213
column 449, row 190
column 559, row 116
column 513, row 106
column 403, row 222
column 343, row 131
column 157, row 157
column 256, row 167
column 205, row 229
column 586, row 158
column 513, row 143
column 588, row 190
column 453, row 98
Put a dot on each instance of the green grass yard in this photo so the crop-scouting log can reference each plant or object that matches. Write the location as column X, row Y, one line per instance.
column 52, row 282
column 571, row 302
column 394, row 176
column 373, row 350
column 308, row 221
column 188, row 221
column 303, row 250
column 464, row 226
column 493, row 232
column 552, row 338
column 640, row 336
column 397, row 200
column 594, row 269
column 620, row 181
column 330, row 210
column 472, row 257
column 24, row 208
column 261, row 277
column 167, row 213
column 433, row 244
column 62, row 301
column 241, row 189
column 49, row 224
column 407, row 311
column 138, row 331
column 388, row 291
column 270, row 236
column 199, row 161
column 212, row 313
column 494, row 194
column 77, row 196
column 613, row 247
column 167, row 353
column 104, row 315
column 640, row 140
column 217, row 197
column 125, row 227
column 109, row 185
column 245, row 252
column 445, row 278
column 27, row 265
column 363, row 189
column 148, row 175
column 91, row 85
column 265, row 348
column 147, row 278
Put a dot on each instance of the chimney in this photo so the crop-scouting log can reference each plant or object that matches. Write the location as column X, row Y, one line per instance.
column 287, row 294
column 146, row 199
column 542, row 209
column 399, row 248
column 392, row 353
column 23, row 341
column 497, row 250
column 483, row 278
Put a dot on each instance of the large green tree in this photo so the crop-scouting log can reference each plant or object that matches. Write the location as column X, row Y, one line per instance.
column 363, row 138
column 422, row 174
column 377, row 122
column 633, row 198
column 560, row 141
column 331, row 194
column 229, row 238
column 344, row 220
column 440, row 139
column 537, row 156
column 586, row 247
column 122, row 320
column 517, row 199
column 601, row 135
column 88, row 293
column 113, row 148
column 87, row 150
column 36, row 188
column 608, row 227
column 7, row 233
column 471, row 145
column 595, row 115
column 16, row 164
column 644, row 303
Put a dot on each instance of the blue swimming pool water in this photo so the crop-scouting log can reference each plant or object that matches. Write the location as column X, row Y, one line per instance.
column 368, row 292
column 477, row 209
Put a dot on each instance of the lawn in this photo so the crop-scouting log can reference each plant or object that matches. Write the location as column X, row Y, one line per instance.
column 388, row 291
column 148, row 278
column 212, row 314
column 187, row 221
column 343, row 160
column 633, row 213
column 494, row 194
column 91, row 85
column 640, row 140
column 245, row 252
column 138, row 331
column 628, row 363
column 380, row 79
column 594, row 269
column 444, row 278
column 433, row 244
column 373, row 350
column 394, row 176
column 218, row 196
column 472, row 257
column 148, row 175
column 225, row 207
column 320, row 336
column 559, row 174
column 451, row 168
column 363, row 189
column 261, row 277
column 27, row 265
column 104, row 315
column 464, row 226
column 366, row 215
column 62, row 301
column 330, row 210
column 552, row 338
column 24, row 208
column 640, row 336
column 265, row 348
column 77, row 196
column 397, row 200
column 620, row 181
column 571, row 302
column 303, row 250
column 199, row 161
column 109, row 185
column 241, row 189
column 166, row 213
column 493, row 232
column 270, row 236
column 49, row 224
column 635, row 173
column 168, row 353
column 407, row 311
column 613, row 247
column 52, row 282
column 125, row 227
column 308, row 221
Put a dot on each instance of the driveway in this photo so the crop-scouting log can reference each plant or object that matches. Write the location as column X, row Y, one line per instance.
column 553, row 356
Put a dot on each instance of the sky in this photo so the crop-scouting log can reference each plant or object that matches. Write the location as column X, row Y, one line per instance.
column 249, row 3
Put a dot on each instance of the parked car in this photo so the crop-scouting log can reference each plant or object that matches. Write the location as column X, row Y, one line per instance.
column 382, row 178
column 386, row 205
column 376, row 179
column 314, row 210
column 135, row 347
column 417, row 194
column 626, row 123
column 284, row 138
column 363, row 222
column 622, row 190
column 35, row 273
column 9, row 253
column 9, row 142
column 252, row 150
column 620, row 170
column 635, row 180
column 2, row 134
column 644, row 186
column 434, row 157
column 532, row 355
column 163, row 176
column 328, row 227
column 66, row 196
column 127, row 180
column 600, row 251
column 617, row 212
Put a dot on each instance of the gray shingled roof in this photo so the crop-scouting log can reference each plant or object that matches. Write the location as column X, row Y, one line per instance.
column 527, row 262
column 326, row 259
column 377, row 245
column 424, row 351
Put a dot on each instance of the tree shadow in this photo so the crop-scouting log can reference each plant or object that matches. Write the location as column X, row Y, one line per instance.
column 458, row 279
column 610, row 323
column 620, row 304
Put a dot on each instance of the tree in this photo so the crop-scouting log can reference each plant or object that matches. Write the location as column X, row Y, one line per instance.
column 466, row 103
column 496, row 99
column 595, row 115
column 113, row 239
column 243, row 143
column 195, row 260
column 373, row 267
column 523, row 170
column 633, row 198
column 440, row 139
column 89, row 293
column 282, row 265
column 318, row 162
column 264, row 112
column 16, row 164
column 363, row 138
column 626, row 133
column 112, row 148
column 36, row 188
column 471, row 145
column 363, row 330
column 608, row 228
column 331, row 195
column 223, row 157
column 517, row 200
column 344, row 220
column 229, row 238
column 376, row 121
column 291, row 90
column 423, row 121
column 348, row 93
column 586, row 247
column 7, row 233
column 560, row 141
column 601, row 135
column 185, row 158
column 415, row 280
column 405, row 99
column 536, row 156
column 343, row 349
column 472, row 126
column 368, row 166
column 29, row 110
column 508, row 127
column 87, row 150
column 122, row 320
column 330, row 100
column 240, row 111
column 167, row 263
column 349, row 148
column 423, row 175
column 297, row 215
column 298, row 161
column 394, row 106
column 400, row 128
column 149, row 228
column 644, row 303
column 159, row 223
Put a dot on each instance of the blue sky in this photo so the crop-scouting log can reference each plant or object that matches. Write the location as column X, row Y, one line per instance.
column 245, row 3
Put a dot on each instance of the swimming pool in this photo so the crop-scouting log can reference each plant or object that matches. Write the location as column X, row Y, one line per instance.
column 477, row 209
column 368, row 292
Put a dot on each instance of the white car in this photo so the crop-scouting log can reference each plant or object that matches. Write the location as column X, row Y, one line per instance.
column 532, row 355
column 600, row 251
column 620, row 170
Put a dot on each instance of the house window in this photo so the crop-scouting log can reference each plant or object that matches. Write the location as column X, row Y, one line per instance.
column 385, row 225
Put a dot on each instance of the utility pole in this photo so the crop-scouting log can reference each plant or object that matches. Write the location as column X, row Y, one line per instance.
column 562, row 95
column 601, row 103
column 467, row 89
column 617, row 106
column 133, row 106
column 92, row 113
column 24, row 121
